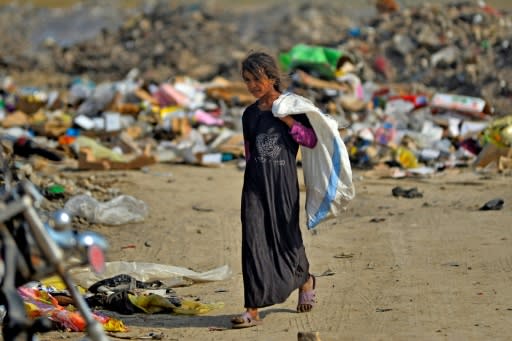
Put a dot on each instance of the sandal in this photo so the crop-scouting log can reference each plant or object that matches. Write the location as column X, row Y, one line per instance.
column 307, row 299
column 245, row 321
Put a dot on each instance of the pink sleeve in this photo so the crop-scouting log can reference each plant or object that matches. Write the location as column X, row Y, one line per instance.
column 303, row 135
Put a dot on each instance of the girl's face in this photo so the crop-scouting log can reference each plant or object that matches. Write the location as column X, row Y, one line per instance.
column 258, row 87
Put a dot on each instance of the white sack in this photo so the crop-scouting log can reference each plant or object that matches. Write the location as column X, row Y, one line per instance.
column 327, row 170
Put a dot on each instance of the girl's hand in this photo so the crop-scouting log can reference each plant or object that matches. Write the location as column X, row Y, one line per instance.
column 288, row 120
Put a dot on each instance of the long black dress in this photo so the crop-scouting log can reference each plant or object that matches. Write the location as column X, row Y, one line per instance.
column 274, row 261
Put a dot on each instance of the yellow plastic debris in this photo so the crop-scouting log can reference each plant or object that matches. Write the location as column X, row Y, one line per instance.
column 196, row 308
column 406, row 158
column 151, row 303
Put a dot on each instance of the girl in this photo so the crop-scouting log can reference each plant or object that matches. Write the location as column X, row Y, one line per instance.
column 274, row 261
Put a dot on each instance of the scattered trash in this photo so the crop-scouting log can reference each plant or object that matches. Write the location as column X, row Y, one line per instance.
column 122, row 282
column 201, row 209
column 494, row 204
column 370, row 266
column 149, row 336
column 408, row 101
column 377, row 220
column 123, row 209
column 406, row 193
column 317, row 60
column 458, row 103
column 445, row 110
column 40, row 302
column 344, row 255
column 146, row 272
column 54, row 191
column 383, row 310
column 25, row 148
column 308, row 336
column 129, row 246
column 327, row 272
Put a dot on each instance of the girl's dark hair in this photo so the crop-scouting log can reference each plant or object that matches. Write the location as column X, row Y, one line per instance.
column 261, row 63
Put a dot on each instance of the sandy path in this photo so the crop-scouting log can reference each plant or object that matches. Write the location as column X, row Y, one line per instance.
column 431, row 268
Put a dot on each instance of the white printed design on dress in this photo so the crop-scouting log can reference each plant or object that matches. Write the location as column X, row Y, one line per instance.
column 268, row 149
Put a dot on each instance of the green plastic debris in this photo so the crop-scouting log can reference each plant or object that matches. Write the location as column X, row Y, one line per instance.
column 55, row 189
column 318, row 60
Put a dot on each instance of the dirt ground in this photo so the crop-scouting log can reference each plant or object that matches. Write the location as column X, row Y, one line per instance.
column 430, row 268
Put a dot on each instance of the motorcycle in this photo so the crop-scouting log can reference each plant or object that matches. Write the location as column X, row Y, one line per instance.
column 33, row 247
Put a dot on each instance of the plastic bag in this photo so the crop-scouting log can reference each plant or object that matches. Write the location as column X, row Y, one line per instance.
column 101, row 97
column 315, row 59
column 327, row 169
column 123, row 209
column 169, row 275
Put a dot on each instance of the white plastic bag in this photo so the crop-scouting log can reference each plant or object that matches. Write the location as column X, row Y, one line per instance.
column 168, row 274
column 123, row 209
column 327, row 169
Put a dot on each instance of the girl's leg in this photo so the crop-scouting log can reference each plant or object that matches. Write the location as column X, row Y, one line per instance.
column 254, row 313
column 308, row 285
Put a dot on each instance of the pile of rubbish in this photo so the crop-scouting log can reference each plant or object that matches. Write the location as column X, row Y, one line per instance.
column 416, row 89
column 126, row 124
column 160, row 39
column 131, row 124
column 126, row 292
column 459, row 47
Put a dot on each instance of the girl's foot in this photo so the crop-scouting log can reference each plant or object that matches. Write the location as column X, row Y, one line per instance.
column 307, row 295
column 248, row 319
